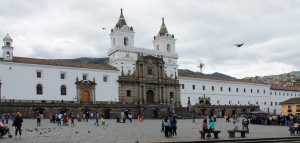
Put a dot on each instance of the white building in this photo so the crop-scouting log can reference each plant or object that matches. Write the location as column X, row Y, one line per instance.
column 40, row 79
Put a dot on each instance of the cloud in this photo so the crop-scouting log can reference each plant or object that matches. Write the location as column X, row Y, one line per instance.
column 205, row 30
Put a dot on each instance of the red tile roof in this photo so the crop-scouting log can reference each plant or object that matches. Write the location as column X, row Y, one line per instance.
column 217, row 78
column 62, row 63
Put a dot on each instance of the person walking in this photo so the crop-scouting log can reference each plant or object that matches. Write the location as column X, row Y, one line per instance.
column 194, row 119
column 18, row 123
column 59, row 119
column 72, row 119
column 97, row 119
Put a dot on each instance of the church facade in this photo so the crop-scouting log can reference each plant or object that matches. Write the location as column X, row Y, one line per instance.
column 135, row 76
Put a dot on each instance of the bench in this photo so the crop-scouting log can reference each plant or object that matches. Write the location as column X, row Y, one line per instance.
column 232, row 133
column 216, row 134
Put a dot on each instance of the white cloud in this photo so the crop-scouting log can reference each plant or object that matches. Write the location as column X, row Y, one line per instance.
column 205, row 31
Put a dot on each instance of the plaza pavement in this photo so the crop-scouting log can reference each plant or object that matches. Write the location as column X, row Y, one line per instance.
column 147, row 131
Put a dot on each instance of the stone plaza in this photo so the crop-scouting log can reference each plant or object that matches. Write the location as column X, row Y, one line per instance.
column 147, row 131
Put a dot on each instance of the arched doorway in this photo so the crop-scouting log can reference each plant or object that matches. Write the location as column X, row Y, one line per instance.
column 150, row 96
column 85, row 97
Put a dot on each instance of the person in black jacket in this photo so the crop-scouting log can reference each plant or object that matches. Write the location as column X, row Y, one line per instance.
column 18, row 123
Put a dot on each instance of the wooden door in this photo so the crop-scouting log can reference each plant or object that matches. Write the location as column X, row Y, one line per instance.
column 150, row 96
column 85, row 97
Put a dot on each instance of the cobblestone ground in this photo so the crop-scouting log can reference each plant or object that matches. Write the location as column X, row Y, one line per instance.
column 147, row 131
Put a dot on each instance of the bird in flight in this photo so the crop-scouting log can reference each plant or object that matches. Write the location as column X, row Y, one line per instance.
column 239, row 45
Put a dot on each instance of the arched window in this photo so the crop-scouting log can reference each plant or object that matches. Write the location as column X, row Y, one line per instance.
column 157, row 47
column 63, row 90
column 168, row 47
column 39, row 89
column 125, row 41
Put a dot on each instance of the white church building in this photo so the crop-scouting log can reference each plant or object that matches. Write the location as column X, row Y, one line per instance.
column 29, row 79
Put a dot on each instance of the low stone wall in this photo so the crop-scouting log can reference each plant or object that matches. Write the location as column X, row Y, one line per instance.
column 29, row 110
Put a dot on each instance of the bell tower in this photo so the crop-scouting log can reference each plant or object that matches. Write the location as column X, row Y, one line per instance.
column 7, row 48
column 122, row 35
column 164, row 42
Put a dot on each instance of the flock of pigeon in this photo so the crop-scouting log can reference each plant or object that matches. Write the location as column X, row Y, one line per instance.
column 46, row 130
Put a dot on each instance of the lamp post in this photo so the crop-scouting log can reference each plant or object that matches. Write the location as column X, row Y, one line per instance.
column 0, row 90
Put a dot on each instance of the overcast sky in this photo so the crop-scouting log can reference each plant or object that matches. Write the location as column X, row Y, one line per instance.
column 206, row 31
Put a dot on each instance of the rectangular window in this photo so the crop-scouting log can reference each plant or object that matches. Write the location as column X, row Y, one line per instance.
column 275, row 103
column 193, row 87
column 212, row 88
column 182, row 86
column 39, row 74
column 257, row 90
column 265, row 103
column 278, row 93
column 84, row 77
column 229, row 89
column 7, row 44
column 264, row 91
column 270, row 93
column 289, row 108
column 150, row 71
column 237, row 90
column 244, row 90
column 283, row 94
column 105, row 78
column 203, row 87
column 128, row 93
column 251, row 90
column 271, row 104
column 298, row 108
column 221, row 88
column 62, row 75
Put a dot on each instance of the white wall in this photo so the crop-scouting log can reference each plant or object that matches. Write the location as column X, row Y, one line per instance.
column 19, row 82
column 279, row 96
column 223, row 97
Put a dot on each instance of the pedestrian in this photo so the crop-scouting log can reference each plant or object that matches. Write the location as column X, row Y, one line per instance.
column 194, row 119
column 167, row 127
column 58, row 119
column 162, row 126
column 174, row 127
column 18, row 123
column 72, row 120
column 97, row 119
column 130, row 117
column 102, row 121
column 211, row 127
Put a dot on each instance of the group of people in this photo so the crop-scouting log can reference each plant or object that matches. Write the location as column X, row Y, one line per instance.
column 169, row 126
column 6, row 117
column 102, row 120
column 208, row 127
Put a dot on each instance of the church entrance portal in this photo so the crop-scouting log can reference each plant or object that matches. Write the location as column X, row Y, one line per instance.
column 150, row 96
column 85, row 97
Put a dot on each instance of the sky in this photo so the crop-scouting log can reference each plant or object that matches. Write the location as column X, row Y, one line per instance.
column 206, row 31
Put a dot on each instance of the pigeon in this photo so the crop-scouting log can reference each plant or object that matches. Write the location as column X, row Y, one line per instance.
column 238, row 45
column 76, row 132
column 103, row 28
column 89, row 131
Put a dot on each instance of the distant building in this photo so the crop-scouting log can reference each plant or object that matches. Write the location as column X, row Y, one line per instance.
column 291, row 106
